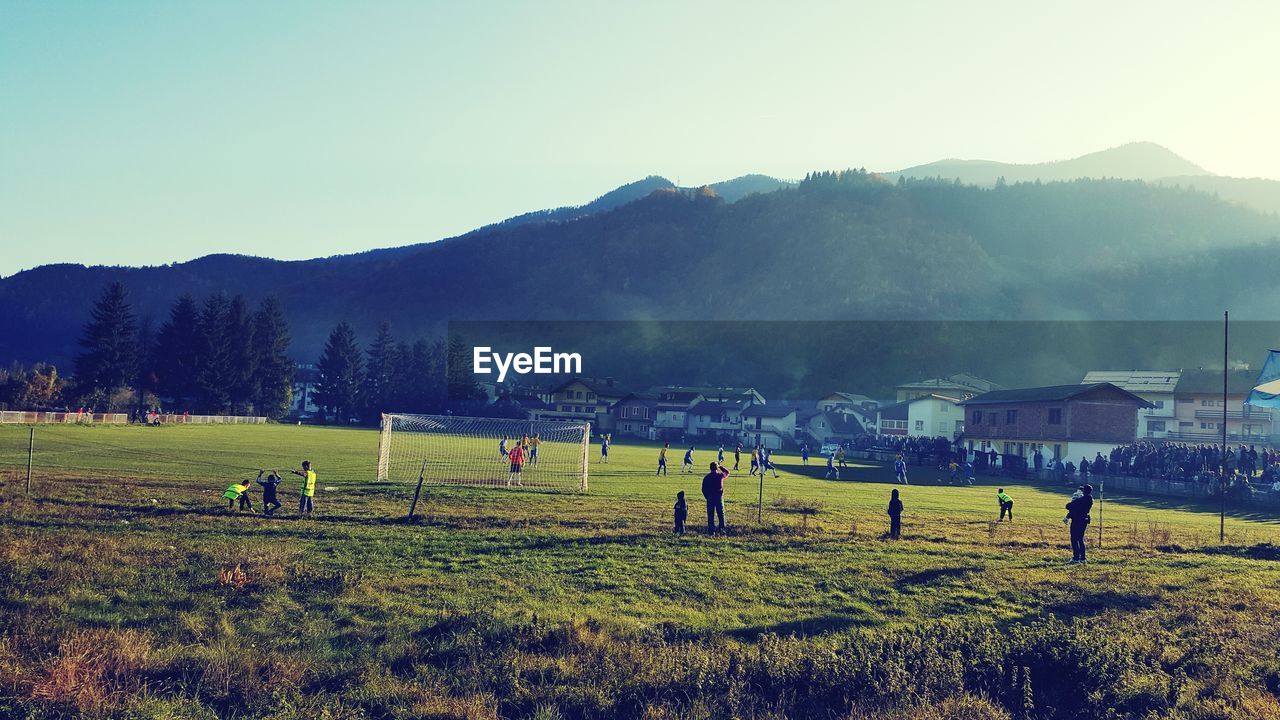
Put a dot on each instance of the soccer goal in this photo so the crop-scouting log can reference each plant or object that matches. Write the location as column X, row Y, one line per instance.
column 448, row 450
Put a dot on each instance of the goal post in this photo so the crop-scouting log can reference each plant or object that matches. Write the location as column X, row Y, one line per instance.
column 449, row 450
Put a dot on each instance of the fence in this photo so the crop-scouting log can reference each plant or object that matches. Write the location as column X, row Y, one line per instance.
column 22, row 417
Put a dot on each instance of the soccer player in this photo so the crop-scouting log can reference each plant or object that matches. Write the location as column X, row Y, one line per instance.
column 768, row 462
column 604, row 448
column 831, row 468
column 1006, row 505
column 533, row 449
column 900, row 470
column 720, row 455
column 502, row 448
column 662, row 459
column 755, row 461
column 954, row 467
column 804, row 454
column 270, row 503
column 840, row 458
column 737, row 456
column 516, row 458
column 306, row 501
column 688, row 460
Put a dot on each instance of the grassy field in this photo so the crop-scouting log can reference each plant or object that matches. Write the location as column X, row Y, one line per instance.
column 128, row 590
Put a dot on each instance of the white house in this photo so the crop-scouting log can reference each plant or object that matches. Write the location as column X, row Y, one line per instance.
column 769, row 425
column 931, row 415
column 715, row 418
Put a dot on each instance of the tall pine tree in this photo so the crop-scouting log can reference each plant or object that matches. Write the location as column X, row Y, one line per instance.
column 380, row 381
column 240, row 355
column 214, row 376
column 273, row 370
column 176, row 354
column 341, row 376
column 108, row 359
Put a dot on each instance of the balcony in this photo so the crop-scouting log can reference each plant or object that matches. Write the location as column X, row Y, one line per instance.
column 1212, row 438
column 1247, row 415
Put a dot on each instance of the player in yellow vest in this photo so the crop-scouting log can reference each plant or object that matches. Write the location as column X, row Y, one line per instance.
column 239, row 491
column 305, row 502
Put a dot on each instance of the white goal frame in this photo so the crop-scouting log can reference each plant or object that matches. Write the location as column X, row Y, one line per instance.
column 389, row 433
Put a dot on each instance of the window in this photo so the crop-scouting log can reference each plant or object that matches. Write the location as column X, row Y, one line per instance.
column 977, row 417
column 942, row 406
column 994, row 417
column 1158, row 403
column 919, row 426
column 1155, row 426
column 1055, row 416
column 1010, row 417
column 591, row 397
column 577, row 395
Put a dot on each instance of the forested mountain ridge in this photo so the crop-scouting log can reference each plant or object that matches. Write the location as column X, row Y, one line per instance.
column 846, row 245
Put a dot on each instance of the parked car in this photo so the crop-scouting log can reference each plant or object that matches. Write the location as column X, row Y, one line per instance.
column 829, row 449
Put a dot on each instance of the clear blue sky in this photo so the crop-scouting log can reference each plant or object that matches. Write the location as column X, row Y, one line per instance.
column 152, row 132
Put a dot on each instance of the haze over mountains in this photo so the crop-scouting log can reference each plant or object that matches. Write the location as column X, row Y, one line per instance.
column 835, row 246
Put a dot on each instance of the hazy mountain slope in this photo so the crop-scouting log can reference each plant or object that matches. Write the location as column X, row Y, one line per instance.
column 1258, row 193
column 740, row 187
column 834, row 247
column 1134, row 161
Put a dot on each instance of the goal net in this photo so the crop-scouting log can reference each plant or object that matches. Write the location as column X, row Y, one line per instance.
column 470, row 451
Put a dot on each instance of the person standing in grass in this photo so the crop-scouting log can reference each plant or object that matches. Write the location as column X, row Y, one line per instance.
column 1078, row 515
column 502, row 448
column 767, row 464
column 604, row 448
column 269, row 501
column 662, row 459
column 713, row 491
column 900, row 470
column 681, row 513
column 737, row 456
column 831, row 468
column 688, row 460
column 720, row 455
column 533, row 449
column 306, row 501
column 755, row 461
column 1006, row 505
column 895, row 515
column 516, row 457
column 804, row 454
column 239, row 491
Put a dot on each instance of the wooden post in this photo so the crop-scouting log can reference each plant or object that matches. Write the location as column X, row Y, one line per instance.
column 1102, row 482
column 1222, row 510
column 418, row 491
column 31, row 448
column 760, row 502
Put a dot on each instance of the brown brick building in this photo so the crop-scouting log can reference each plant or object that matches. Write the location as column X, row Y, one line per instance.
column 1065, row 421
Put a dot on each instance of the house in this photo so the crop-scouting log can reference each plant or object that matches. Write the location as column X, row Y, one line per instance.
column 634, row 415
column 773, row 426
column 825, row 427
column 671, row 412
column 584, row 399
column 1064, row 421
column 1198, row 409
column 848, row 402
column 960, row 385
column 746, row 394
column 305, row 379
column 1154, row 386
column 931, row 415
column 716, row 419
column 524, row 405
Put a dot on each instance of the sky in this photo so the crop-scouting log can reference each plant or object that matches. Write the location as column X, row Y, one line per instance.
column 153, row 132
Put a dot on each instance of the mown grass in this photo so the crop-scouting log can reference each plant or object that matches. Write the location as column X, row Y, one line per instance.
column 119, row 595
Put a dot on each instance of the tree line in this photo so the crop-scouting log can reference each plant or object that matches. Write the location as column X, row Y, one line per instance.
column 392, row 375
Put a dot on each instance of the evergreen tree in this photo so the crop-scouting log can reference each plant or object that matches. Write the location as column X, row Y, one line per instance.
column 240, row 354
column 341, row 374
column 176, row 354
column 109, row 357
column 214, row 376
column 461, row 383
column 380, row 381
column 273, row 370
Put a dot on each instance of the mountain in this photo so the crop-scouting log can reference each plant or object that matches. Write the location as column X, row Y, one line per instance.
column 738, row 188
column 836, row 246
column 1134, row 161
column 1258, row 193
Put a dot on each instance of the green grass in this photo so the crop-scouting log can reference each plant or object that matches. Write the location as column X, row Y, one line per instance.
column 507, row 603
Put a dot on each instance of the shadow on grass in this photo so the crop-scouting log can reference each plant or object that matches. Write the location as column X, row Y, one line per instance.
column 1194, row 505
column 936, row 575
column 1096, row 603
column 818, row 625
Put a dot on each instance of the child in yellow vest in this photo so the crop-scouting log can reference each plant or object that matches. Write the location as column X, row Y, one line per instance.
column 305, row 501
column 239, row 491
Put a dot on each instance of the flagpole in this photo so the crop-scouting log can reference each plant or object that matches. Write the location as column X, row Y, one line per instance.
column 1222, row 512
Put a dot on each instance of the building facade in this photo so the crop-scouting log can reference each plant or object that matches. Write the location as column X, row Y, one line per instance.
column 1154, row 386
column 1198, row 409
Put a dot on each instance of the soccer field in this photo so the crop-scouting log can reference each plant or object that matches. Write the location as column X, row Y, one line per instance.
column 120, row 593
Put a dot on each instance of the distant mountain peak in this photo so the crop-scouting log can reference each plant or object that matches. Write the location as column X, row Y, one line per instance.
column 1141, row 160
